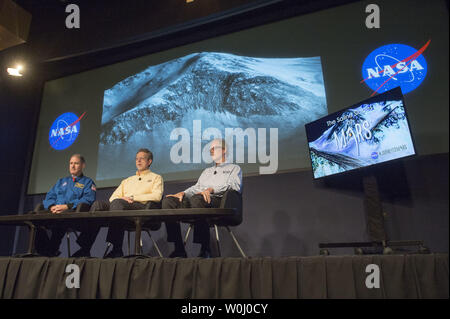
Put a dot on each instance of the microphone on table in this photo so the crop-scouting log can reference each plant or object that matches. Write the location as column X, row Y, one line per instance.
column 139, row 178
column 215, row 172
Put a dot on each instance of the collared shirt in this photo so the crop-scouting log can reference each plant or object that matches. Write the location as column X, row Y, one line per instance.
column 71, row 190
column 142, row 187
column 221, row 178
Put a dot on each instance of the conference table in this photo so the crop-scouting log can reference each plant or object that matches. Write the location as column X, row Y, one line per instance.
column 135, row 219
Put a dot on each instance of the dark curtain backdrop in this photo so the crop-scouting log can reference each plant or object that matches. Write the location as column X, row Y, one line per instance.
column 401, row 276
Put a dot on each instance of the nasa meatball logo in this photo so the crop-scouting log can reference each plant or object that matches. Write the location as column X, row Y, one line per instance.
column 64, row 131
column 395, row 65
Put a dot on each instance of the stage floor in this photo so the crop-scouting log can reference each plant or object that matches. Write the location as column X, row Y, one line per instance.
column 400, row 276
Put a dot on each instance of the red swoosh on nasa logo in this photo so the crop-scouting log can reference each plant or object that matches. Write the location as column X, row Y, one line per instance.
column 407, row 59
column 70, row 125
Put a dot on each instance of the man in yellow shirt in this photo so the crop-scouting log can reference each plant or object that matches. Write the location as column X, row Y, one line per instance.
column 134, row 192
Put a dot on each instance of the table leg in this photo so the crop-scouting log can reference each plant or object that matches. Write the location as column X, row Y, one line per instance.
column 32, row 234
column 137, row 237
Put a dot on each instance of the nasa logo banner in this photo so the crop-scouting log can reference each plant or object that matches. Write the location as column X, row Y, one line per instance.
column 64, row 131
column 395, row 65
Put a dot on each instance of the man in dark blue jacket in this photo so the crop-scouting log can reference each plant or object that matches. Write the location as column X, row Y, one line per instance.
column 66, row 195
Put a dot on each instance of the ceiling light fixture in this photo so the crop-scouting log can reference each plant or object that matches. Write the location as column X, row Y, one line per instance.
column 15, row 71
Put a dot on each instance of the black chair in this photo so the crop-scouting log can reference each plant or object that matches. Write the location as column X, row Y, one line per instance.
column 147, row 227
column 82, row 207
column 230, row 199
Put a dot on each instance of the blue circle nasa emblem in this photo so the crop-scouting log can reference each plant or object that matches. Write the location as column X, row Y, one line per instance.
column 395, row 65
column 64, row 131
column 374, row 155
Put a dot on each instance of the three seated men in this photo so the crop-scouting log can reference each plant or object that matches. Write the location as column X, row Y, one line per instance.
column 144, row 190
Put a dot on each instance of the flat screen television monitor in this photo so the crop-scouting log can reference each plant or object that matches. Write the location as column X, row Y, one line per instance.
column 370, row 132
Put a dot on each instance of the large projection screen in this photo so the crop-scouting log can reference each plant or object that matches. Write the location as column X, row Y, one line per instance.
column 257, row 88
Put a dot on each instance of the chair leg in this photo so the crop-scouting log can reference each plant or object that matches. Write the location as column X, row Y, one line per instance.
column 187, row 234
column 68, row 244
column 155, row 244
column 217, row 240
column 108, row 245
column 236, row 242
